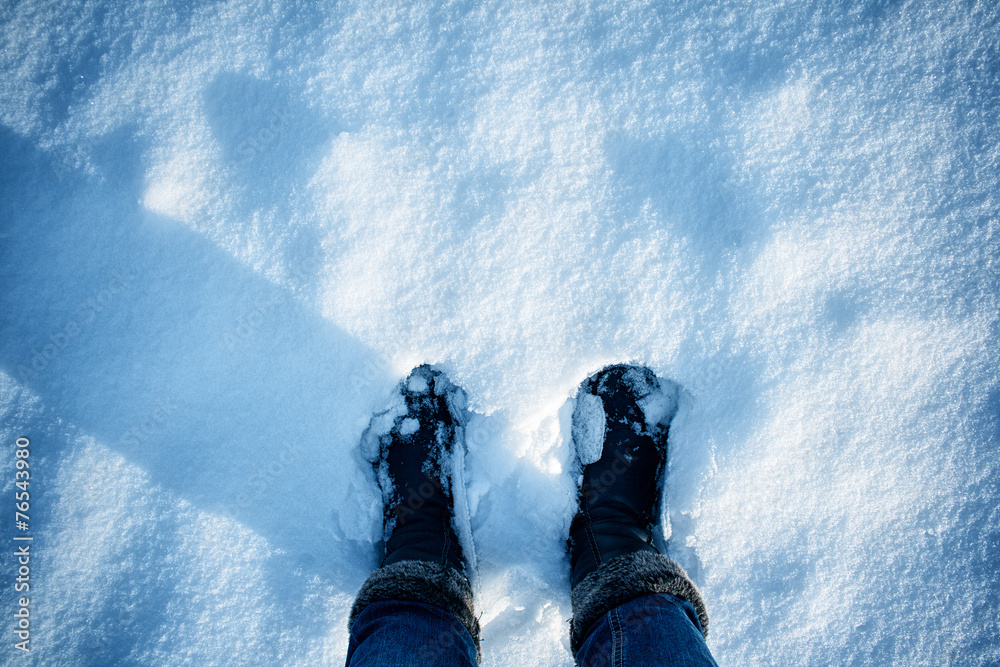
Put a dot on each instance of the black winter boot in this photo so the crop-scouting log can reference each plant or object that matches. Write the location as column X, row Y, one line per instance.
column 620, row 427
column 415, row 443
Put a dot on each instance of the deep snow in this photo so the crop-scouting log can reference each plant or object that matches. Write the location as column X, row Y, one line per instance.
column 228, row 230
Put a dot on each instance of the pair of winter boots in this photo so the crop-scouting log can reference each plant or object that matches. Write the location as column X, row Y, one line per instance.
column 620, row 427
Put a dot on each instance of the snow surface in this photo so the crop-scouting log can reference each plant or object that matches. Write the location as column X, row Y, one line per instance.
column 409, row 426
column 230, row 228
column 659, row 407
column 589, row 425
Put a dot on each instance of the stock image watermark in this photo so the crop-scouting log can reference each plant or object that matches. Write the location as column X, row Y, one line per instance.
column 364, row 376
column 250, row 321
column 22, row 544
column 153, row 425
column 261, row 481
column 482, row 430
column 251, row 146
column 84, row 316
column 707, row 380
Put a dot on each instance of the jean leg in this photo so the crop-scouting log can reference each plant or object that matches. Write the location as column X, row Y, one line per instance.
column 394, row 633
column 656, row 629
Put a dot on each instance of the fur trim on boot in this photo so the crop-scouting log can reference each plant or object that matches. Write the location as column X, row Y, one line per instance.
column 420, row 581
column 625, row 578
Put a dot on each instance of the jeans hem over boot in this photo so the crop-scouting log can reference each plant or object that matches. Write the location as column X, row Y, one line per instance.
column 420, row 581
column 625, row 578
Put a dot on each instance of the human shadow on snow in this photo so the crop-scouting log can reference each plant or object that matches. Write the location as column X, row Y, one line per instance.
column 226, row 389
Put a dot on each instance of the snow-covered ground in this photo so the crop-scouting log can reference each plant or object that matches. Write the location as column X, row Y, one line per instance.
column 228, row 229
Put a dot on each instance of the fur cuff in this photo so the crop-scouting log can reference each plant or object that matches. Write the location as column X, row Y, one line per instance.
column 625, row 578
column 420, row 581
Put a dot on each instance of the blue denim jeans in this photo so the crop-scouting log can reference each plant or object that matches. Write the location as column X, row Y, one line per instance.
column 649, row 630
column 393, row 633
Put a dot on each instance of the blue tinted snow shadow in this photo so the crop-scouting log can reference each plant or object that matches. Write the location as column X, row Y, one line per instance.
column 684, row 177
column 271, row 140
column 131, row 328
